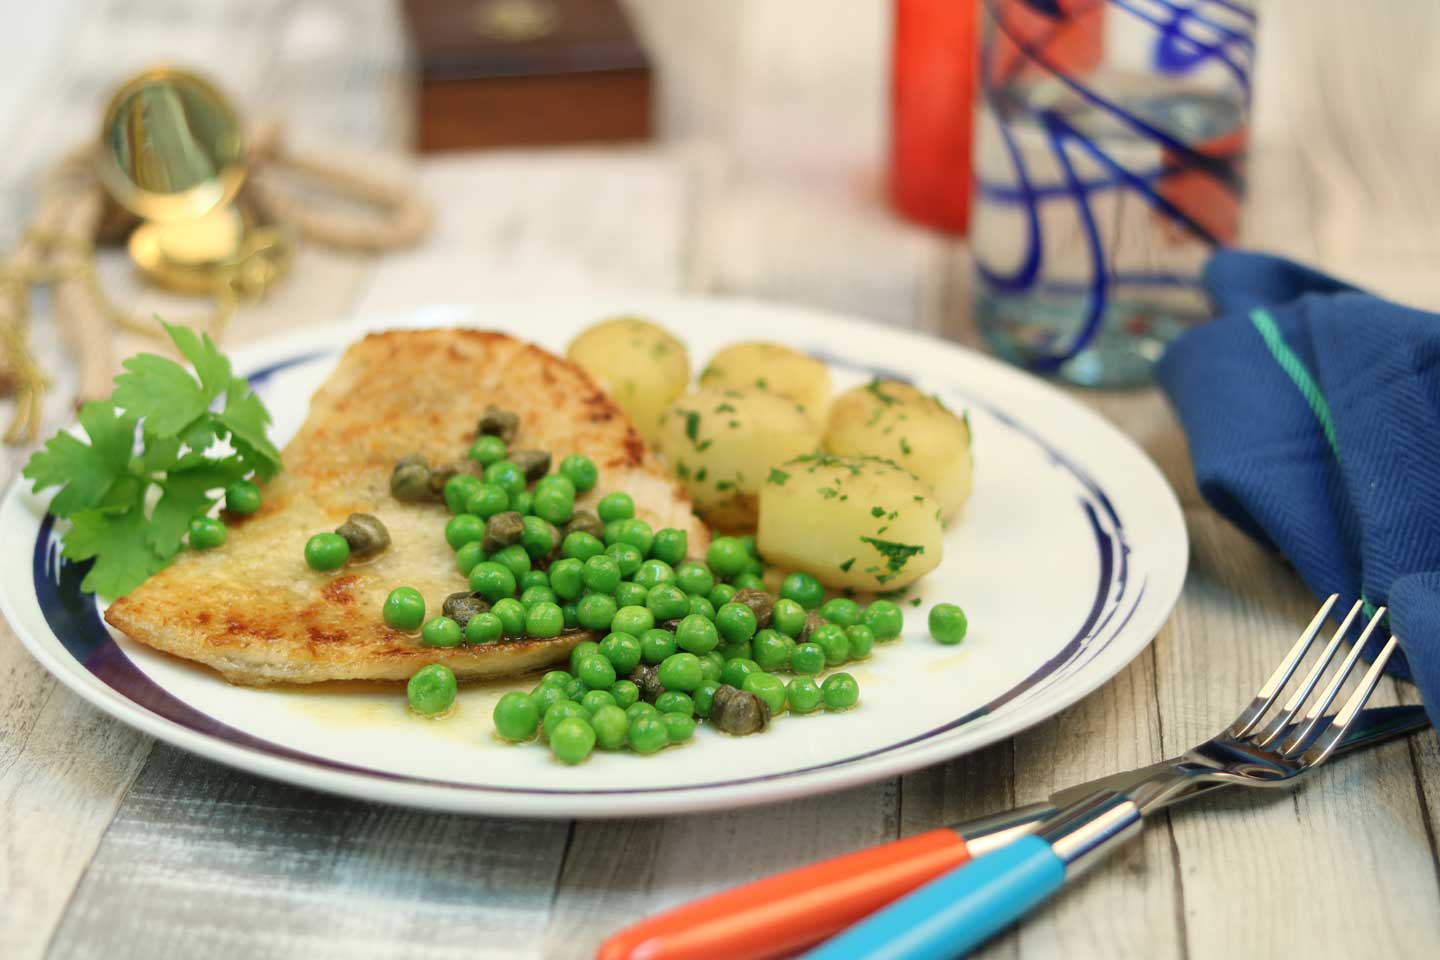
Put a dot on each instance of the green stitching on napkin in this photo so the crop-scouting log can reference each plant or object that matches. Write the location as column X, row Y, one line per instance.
column 1294, row 368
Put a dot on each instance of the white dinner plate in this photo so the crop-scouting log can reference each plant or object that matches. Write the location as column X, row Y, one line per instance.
column 1067, row 560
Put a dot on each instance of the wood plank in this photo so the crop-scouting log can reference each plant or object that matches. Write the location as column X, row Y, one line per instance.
column 203, row 862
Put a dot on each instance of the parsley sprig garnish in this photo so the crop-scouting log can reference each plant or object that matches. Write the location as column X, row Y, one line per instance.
column 130, row 503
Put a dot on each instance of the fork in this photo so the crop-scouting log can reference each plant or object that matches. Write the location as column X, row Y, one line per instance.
column 1264, row 746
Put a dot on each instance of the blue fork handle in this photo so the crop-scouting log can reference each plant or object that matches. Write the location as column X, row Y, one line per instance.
column 953, row 915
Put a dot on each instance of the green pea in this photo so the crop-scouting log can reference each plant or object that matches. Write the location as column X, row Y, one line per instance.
column 596, row 611
column 459, row 489
column 572, row 740
column 885, row 619
column 610, row 725
column 694, row 578
column 558, row 713
column 560, row 677
column 488, row 500
column 595, row 699
column 533, row 578
column 508, row 475
column 748, row 581
column 736, row 622
column 484, row 628
column 633, row 620
column 601, row 573
column 581, row 650
column 803, row 695
column 554, row 504
column 581, row 471
column 674, row 701
column 753, row 569
column 516, row 716
column 625, row 693
column 468, row 556
column 492, row 580
column 679, row 726
column 207, row 533
column 523, row 503
column 546, row 695
column 727, row 556
column 736, row 651
column 841, row 611
column 629, row 594
column 538, row 594
column 841, row 691
column 404, row 609
column 803, row 589
column 680, row 671
column 712, row 665
column 537, row 537
column 670, row 545
column 575, row 688
column 487, row 449
column 637, row 533
column 667, row 602
column 808, row 659
column 947, row 623
column 701, row 607
column 696, row 634
column 623, row 652
column 626, row 557
column 597, row 672
column 788, row 617
column 752, row 547
column 737, row 670
column 767, row 687
column 242, row 497
column 721, row 595
column 654, row 572
column 556, row 481
column 772, row 649
column 326, row 552
column 431, row 689
column 639, row 709
column 615, row 506
column 862, row 640
column 512, row 616
column 440, row 632
column 514, row 557
column 544, row 619
column 834, row 641
column 464, row 528
column 571, row 614
column 648, row 732
column 611, row 534
column 656, row 645
column 566, row 578
column 704, row 697
column 579, row 545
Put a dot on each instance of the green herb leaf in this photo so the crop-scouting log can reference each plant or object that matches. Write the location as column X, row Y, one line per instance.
column 896, row 555
column 777, row 477
column 188, row 495
column 161, row 391
column 117, row 544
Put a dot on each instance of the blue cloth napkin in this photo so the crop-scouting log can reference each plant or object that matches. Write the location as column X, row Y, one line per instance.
column 1313, row 414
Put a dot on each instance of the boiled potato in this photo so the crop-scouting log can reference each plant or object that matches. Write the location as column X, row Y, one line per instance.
column 639, row 364
column 722, row 443
column 851, row 521
column 895, row 421
column 772, row 367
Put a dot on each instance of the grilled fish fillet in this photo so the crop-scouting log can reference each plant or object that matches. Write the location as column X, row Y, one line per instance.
column 256, row 613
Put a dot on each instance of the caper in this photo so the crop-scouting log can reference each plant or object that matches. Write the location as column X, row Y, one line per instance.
column 366, row 535
column 502, row 530
column 760, row 603
column 738, row 713
column 583, row 521
column 410, row 480
column 813, row 622
column 647, row 678
column 439, row 476
column 461, row 606
column 499, row 423
column 412, row 460
column 535, row 463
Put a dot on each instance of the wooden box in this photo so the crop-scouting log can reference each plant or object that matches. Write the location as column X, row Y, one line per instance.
column 526, row 72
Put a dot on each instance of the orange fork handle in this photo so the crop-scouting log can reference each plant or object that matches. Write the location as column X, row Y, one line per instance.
column 781, row 914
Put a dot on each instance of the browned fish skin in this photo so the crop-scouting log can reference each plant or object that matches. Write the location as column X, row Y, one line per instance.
column 256, row 613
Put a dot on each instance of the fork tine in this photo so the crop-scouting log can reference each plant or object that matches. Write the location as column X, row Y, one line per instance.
column 1326, row 743
column 1302, row 738
column 1276, row 728
column 1270, row 689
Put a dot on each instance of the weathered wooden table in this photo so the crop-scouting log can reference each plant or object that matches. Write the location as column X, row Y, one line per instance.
column 766, row 184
